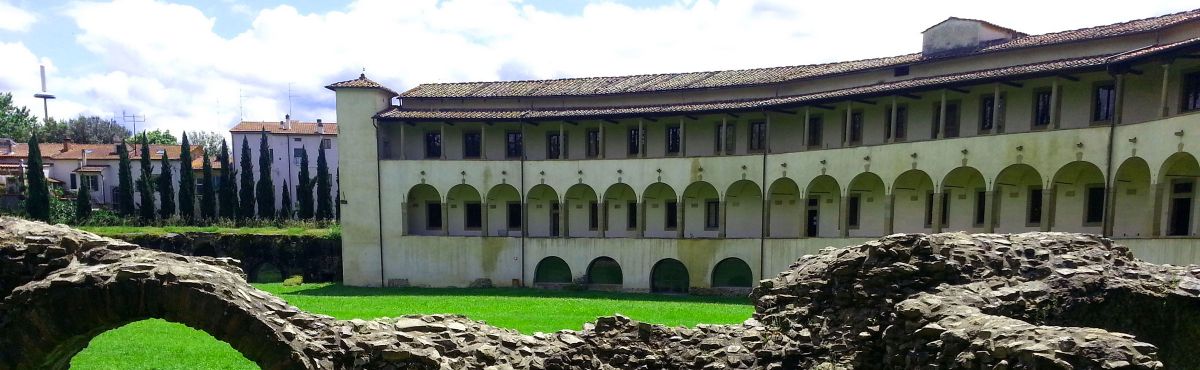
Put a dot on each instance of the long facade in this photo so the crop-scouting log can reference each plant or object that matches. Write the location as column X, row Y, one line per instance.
column 713, row 180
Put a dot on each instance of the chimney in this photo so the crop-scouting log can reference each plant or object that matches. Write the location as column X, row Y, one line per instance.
column 287, row 122
column 7, row 145
column 320, row 127
column 66, row 145
column 85, row 153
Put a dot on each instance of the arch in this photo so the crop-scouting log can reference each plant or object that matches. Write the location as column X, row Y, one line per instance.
column 865, row 205
column 582, row 211
column 465, row 210
column 822, row 207
column 605, row 271
column 657, row 197
column 552, row 270
column 911, row 193
column 669, row 276
column 620, row 211
column 732, row 272
column 1079, row 196
column 701, row 211
column 425, row 210
column 1019, row 196
column 784, row 200
column 743, row 203
column 1132, row 194
column 504, row 211
column 963, row 202
column 1177, row 182
column 544, row 214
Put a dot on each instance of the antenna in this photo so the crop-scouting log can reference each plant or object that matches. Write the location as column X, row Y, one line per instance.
column 132, row 118
column 241, row 109
column 45, row 97
column 289, row 99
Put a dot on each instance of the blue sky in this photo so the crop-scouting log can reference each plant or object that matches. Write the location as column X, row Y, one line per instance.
column 208, row 64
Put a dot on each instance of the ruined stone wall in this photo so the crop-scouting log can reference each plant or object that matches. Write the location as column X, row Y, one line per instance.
column 318, row 259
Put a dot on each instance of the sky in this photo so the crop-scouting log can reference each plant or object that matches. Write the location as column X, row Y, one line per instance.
column 206, row 65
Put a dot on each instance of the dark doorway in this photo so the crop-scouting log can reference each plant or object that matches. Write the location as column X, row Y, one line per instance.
column 669, row 276
column 554, row 221
column 1180, row 213
column 813, row 217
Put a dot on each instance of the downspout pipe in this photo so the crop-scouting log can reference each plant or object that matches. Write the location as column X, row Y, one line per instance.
column 378, row 204
column 762, row 226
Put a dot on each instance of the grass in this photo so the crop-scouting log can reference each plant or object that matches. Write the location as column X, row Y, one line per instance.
column 117, row 231
column 157, row 344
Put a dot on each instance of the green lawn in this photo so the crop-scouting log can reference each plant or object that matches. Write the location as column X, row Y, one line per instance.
column 115, row 231
column 156, row 344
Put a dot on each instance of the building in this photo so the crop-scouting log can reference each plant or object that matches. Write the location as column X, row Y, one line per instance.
column 287, row 139
column 715, row 179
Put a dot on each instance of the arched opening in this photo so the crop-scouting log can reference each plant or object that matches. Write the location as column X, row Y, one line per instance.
column 732, row 273
column 1178, row 183
column 911, row 193
column 268, row 273
column 655, row 200
column 822, row 206
column 1020, row 198
column 161, row 344
column 605, row 271
column 466, row 211
column 700, row 211
column 582, row 212
column 621, row 211
column 545, row 214
column 504, row 211
column 786, row 208
column 865, row 205
column 425, row 211
column 1132, row 196
column 552, row 270
column 669, row 276
column 743, row 202
column 963, row 202
column 1079, row 198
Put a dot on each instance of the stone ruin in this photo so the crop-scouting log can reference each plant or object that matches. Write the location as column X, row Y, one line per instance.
column 905, row 301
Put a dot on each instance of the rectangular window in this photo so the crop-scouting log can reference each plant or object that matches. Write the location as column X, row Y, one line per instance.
column 1094, row 207
column 672, row 214
column 326, row 144
column 856, row 127
column 951, row 120
column 93, row 183
column 1034, row 216
column 433, row 145
column 472, row 215
column 712, row 214
column 513, row 145
column 514, row 215
column 980, row 207
column 593, row 143
column 855, row 206
column 731, row 138
column 74, row 182
column 553, row 146
column 901, row 122
column 631, row 215
column 296, row 154
column 1104, row 100
column 816, row 127
column 1041, row 108
column 433, row 216
column 988, row 116
column 758, row 136
column 593, row 216
column 1191, row 92
column 673, row 143
column 472, row 144
column 634, row 141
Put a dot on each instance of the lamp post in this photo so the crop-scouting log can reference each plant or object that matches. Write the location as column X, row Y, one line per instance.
column 45, row 97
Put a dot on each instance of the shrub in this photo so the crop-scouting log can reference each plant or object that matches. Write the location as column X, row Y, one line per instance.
column 294, row 280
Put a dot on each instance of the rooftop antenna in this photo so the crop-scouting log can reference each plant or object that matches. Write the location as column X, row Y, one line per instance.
column 289, row 113
column 241, row 109
column 132, row 118
column 45, row 97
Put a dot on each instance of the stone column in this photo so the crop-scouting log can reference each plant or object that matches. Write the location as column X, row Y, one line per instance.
column 891, row 138
column 1119, row 90
column 941, row 133
column 844, row 216
column 1156, row 191
column 804, row 131
column 404, row 228
column 602, row 223
column 562, row 142
column 564, row 218
column 641, row 221
column 680, row 207
column 935, row 223
column 765, row 232
column 403, row 145
column 889, row 213
column 603, row 143
column 1047, row 208
column 483, row 219
column 1110, row 200
column 723, row 135
column 445, row 209
column 723, row 211
column 1054, row 103
column 803, row 217
column 442, row 135
column 483, row 142
column 846, row 125
column 525, row 218
column 682, row 140
column 641, row 139
column 1162, row 100
column 997, row 123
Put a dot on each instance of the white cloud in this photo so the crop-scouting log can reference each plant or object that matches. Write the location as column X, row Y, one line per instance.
column 15, row 19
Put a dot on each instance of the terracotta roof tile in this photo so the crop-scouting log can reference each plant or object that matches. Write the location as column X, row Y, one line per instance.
column 297, row 128
column 362, row 82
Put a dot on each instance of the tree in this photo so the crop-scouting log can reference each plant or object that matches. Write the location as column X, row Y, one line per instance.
column 83, row 203
column 209, row 140
column 187, row 181
column 285, row 209
column 266, row 188
column 208, row 195
column 166, row 191
column 146, row 184
column 84, row 130
column 304, row 188
column 160, row 137
column 227, row 196
column 324, row 190
column 124, row 182
column 15, row 122
column 246, row 184
column 37, row 202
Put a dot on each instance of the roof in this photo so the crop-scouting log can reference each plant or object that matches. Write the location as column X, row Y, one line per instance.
column 298, row 128
column 103, row 152
column 362, row 82
column 91, row 169
column 986, row 23
column 758, row 76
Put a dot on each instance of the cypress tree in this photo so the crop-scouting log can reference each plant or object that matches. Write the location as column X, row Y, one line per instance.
column 324, row 203
column 83, row 203
column 304, row 190
column 166, row 191
column 125, row 182
column 246, row 184
column 187, row 182
column 228, row 192
column 285, row 209
column 37, row 201
column 146, row 183
column 208, row 197
column 266, row 188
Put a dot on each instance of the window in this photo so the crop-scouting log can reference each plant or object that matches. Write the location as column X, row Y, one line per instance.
column 593, row 143
column 816, row 126
column 1041, row 108
column 980, row 207
column 900, row 71
column 1094, row 205
column 951, row 120
column 855, row 206
column 297, row 153
column 673, row 143
column 634, row 141
column 593, row 215
column 433, row 216
column 473, row 215
column 856, row 127
column 712, row 214
column 472, row 144
column 1034, row 216
column 672, row 214
column 758, row 136
column 296, row 140
column 554, row 146
column 93, row 182
column 513, row 146
column 74, row 181
column 929, row 209
column 1191, row 92
column 725, row 140
column 989, row 117
column 631, row 216
column 901, row 122
column 1104, row 100
column 433, row 145
column 326, row 144
column 514, row 215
